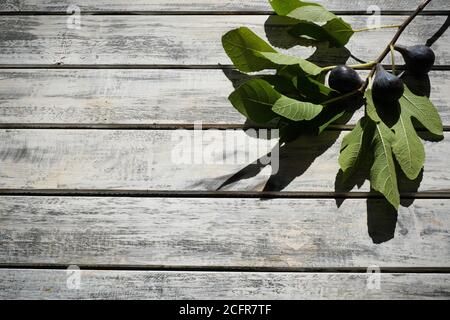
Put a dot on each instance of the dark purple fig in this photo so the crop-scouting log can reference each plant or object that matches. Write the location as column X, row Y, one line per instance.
column 387, row 87
column 419, row 59
column 344, row 79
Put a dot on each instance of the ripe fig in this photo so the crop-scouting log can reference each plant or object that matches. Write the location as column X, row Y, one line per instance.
column 387, row 87
column 419, row 59
column 344, row 79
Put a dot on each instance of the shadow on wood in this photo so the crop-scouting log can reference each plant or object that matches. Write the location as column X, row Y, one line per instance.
column 381, row 215
column 381, row 220
column 294, row 159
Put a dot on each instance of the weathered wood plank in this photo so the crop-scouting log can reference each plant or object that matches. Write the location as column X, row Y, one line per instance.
column 162, row 160
column 204, row 5
column 52, row 284
column 185, row 232
column 139, row 96
column 150, row 40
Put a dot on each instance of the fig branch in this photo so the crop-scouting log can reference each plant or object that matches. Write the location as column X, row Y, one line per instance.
column 402, row 28
column 373, row 64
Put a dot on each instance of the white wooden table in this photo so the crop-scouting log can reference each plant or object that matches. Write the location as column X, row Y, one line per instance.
column 87, row 118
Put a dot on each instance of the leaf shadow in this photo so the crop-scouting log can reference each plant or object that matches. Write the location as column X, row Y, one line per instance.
column 289, row 160
column 236, row 77
column 381, row 215
column 381, row 220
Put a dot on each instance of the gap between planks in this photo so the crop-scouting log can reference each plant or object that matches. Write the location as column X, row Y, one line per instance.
column 240, row 269
column 216, row 194
column 213, row 13
column 165, row 126
column 442, row 67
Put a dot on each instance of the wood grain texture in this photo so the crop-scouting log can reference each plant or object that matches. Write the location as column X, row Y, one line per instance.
column 52, row 284
column 140, row 96
column 239, row 233
column 156, row 40
column 204, row 5
column 172, row 160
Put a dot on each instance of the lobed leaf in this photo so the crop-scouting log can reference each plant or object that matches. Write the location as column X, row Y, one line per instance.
column 383, row 177
column 422, row 109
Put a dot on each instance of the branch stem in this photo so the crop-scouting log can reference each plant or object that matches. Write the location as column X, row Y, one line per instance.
column 390, row 26
column 342, row 97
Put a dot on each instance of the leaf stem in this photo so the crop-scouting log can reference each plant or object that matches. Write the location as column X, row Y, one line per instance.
column 391, row 26
column 342, row 97
column 353, row 66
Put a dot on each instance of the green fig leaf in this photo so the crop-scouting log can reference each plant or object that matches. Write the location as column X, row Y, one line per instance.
column 422, row 109
column 250, row 53
column 334, row 118
column 300, row 10
column 255, row 99
column 354, row 145
column 408, row 148
column 296, row 110
column 281, row 60
column 383, row 177
column 336, row 32
column 242, row 46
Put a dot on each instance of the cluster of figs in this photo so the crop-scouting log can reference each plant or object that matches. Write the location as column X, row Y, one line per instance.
column 386, row 87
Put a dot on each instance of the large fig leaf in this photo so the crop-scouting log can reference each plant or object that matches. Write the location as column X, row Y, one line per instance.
column 408, row 147
column 383, row 177
column 250, row 53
